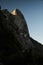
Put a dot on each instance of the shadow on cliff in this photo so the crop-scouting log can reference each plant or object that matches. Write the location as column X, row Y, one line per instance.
column 16, row 45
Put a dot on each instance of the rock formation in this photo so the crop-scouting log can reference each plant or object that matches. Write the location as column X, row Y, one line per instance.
column 16, row 45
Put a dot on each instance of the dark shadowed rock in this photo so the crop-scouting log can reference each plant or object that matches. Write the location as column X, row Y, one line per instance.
column 16, row 45
column 0, row 7
column 21, row 23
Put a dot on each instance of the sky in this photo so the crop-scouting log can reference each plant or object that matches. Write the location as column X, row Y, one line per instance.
column 33, row 13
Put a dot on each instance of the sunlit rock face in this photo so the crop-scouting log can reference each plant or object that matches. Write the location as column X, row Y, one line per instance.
column 14, row 12
column 16, row 45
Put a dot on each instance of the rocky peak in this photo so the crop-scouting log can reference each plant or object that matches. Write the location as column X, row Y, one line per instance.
column 16, row 45
column 22, row 23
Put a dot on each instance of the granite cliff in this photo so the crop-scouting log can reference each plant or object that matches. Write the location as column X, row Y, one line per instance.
column 16, row 45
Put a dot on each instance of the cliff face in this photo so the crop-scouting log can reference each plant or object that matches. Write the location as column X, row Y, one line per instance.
column 16, row 45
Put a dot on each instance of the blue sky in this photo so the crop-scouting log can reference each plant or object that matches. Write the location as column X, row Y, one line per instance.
column 33, row 13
